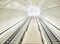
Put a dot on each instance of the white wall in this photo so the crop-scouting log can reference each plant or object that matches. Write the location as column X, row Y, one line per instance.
column 52, row 15
column 10, row 17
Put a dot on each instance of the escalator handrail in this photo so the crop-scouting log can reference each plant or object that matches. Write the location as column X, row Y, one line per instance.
column 10, row 27
column 51, row 24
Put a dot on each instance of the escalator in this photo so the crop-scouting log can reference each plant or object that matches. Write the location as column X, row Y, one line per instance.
column 52, row 38
column 9, row 40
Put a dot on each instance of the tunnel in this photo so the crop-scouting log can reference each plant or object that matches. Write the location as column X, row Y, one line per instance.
column 29, row 21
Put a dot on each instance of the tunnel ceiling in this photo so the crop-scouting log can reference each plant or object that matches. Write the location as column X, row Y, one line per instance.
column 24, row 4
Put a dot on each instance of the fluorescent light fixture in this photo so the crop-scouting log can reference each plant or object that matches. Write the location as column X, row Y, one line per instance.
column 33, row 11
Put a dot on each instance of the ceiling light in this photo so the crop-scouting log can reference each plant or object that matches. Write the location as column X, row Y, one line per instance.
column 33, row 11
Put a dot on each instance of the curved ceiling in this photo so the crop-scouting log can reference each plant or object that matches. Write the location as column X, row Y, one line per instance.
column 25, row 4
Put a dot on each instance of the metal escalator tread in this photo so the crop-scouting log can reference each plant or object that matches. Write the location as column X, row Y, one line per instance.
column 56, row 42
column 51, row 36
column 14, row 34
